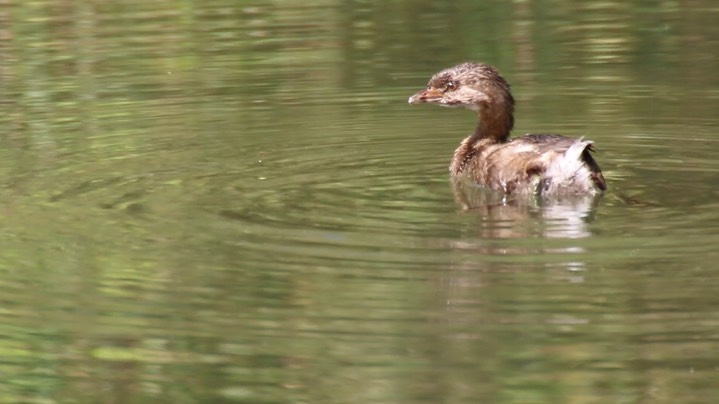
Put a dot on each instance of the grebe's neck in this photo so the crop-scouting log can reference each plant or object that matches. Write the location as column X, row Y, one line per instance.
column 495, row 124
column 496, row 121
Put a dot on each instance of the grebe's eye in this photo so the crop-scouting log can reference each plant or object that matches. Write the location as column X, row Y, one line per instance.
column 450, row 86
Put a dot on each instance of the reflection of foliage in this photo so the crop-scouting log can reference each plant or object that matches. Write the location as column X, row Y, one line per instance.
column 193, row 43
column 393, row 37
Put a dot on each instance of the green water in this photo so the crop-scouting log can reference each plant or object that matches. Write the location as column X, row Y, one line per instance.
column 227, row 201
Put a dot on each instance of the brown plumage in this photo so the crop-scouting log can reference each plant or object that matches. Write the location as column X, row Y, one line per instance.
column 535, row 163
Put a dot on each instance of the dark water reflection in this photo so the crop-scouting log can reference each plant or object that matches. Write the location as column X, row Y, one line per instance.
column 221, row 202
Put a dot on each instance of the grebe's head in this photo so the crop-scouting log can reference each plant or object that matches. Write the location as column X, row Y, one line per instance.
column 469, row 85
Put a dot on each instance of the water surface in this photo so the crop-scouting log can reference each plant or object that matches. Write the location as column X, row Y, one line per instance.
column 213, row 202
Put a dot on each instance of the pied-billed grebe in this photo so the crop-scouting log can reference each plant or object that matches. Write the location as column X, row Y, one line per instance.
column 542, row 164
